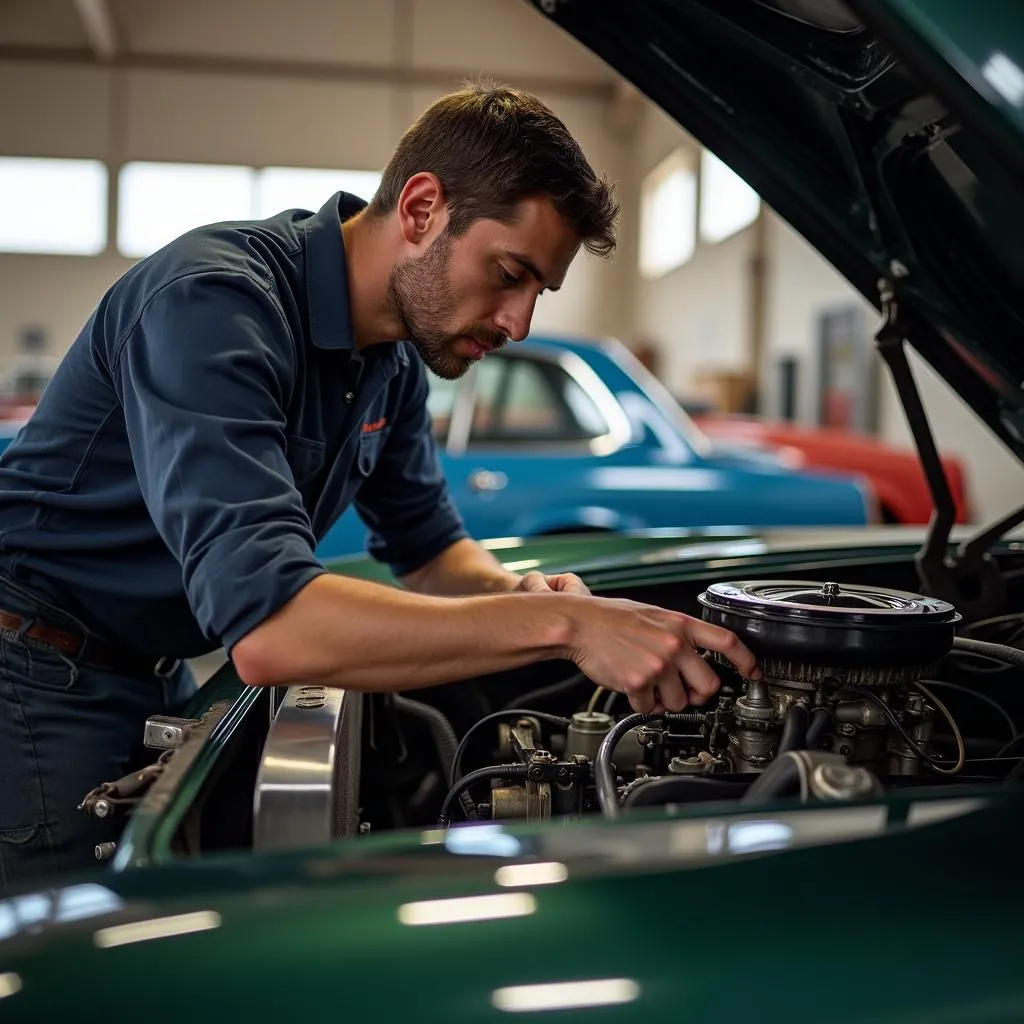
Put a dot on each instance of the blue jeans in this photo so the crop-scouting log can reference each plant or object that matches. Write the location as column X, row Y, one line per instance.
column 65, row 727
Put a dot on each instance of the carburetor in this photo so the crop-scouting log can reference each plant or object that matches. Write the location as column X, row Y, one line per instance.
column 820, row 647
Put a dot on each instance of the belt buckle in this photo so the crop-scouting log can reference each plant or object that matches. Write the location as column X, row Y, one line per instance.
column 166, row 667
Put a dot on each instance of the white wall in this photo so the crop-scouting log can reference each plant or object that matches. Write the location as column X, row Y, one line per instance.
column 344, row 80
column 699, row 316
column 697, row 313
column 801, row 285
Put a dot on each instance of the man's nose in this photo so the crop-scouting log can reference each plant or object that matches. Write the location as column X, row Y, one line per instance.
column 514, row 318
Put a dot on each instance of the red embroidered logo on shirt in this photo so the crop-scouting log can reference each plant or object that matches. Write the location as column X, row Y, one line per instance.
column 372, row 428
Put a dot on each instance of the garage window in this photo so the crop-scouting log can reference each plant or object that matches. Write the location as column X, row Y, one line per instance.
column 53, row 206
column 308, row 188
column 159, row 201
column 668, row 216
column 727, row 203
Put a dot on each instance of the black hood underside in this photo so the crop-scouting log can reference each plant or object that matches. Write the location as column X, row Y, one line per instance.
column 863, row 152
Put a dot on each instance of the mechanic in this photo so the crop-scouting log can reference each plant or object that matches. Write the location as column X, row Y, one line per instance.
column 228, row 398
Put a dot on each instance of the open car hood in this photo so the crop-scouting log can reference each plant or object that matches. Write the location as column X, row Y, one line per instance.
column 889, row 133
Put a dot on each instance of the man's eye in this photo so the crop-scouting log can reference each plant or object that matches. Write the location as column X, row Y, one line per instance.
column 506, row 277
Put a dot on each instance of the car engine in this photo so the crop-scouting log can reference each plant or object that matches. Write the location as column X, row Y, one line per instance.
column 864, row 688
column 848, row 704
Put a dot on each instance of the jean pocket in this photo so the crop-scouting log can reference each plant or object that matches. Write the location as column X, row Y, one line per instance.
column 25, row 854
column 37, row 665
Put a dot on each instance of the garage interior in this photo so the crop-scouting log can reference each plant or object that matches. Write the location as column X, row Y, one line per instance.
column 709, row 287
column 505, row 757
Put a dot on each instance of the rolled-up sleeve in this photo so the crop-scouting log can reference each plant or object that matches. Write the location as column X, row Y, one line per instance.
column 204, row 376
column 405, row 503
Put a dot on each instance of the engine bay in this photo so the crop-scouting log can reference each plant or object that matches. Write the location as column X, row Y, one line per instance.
column 856, row 696
column 866, row 686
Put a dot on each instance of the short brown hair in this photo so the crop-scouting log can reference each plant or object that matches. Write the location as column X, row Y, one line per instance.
column 491, row 146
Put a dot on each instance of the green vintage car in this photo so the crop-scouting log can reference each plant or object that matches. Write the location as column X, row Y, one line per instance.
column 836, row 841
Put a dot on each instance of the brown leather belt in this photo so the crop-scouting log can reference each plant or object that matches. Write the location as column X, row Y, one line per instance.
column 88, row 649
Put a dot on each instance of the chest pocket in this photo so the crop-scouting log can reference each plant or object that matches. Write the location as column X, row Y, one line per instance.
column 371, row 444
column 305, row 457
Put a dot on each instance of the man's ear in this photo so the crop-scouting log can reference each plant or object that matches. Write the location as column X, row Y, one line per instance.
column 422, row 209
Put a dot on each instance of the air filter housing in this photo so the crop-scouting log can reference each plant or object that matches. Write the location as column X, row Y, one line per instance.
column 799, row 628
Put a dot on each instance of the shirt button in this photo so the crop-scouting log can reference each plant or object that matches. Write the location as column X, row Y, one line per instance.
column 349, row 395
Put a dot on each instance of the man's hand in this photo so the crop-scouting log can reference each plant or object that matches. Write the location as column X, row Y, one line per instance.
column 650, row 654
column 538, row 583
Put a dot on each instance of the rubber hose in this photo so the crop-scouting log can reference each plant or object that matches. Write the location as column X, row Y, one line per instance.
column 1012, row 656
column 440, row 728
column 604, row 776
column 794, row 729
column 677, row 789
column 820, row 720
column 782, row 775
column 499, row 771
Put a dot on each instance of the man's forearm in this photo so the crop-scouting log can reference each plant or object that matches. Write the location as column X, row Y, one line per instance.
column 463, row 568
column 365, row 636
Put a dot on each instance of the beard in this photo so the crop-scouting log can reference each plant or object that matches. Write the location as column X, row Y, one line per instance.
column 421, row 296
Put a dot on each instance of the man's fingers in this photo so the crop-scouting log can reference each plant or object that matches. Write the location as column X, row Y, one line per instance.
column 670, row 693
column 701, row 681
column 569, row 583
column 533, row 582
column 642, row 700
column 715, row 638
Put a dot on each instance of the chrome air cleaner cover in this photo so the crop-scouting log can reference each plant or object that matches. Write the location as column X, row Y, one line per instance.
column 798, row 628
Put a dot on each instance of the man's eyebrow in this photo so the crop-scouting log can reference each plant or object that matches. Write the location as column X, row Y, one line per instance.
column 528, row 265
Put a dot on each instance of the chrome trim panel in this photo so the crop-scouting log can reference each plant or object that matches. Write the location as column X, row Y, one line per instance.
column 307, row 789
column 620, row 433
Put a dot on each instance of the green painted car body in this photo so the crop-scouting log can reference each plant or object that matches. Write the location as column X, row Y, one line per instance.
column 903, row 908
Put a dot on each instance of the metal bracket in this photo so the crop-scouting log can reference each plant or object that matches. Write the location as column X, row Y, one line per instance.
column 971, row 581
column 166, row 733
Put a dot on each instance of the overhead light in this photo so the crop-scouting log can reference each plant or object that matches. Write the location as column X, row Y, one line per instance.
column 156, row 928
column 1005, row 77
column 544, row 873
column 525, row 563
column 759, row 836
column 9, row 984
column 481, row 841
column 565, row 995
column 467, row 908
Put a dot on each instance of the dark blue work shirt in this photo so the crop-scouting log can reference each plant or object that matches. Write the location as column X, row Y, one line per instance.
column 206, row 428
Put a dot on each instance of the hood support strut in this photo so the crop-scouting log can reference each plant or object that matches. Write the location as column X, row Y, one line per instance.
column 970, row 580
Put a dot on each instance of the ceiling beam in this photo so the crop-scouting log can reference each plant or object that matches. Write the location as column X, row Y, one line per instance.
column 99, row 27
column 383, row 74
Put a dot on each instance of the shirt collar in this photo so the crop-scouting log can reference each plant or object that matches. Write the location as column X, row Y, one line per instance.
column 330, row 316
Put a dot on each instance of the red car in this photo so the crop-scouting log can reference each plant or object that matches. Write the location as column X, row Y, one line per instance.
column 895, row 474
